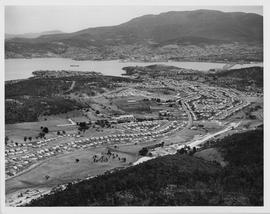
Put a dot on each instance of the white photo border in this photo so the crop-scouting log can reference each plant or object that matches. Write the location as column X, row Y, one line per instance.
column 111, row 210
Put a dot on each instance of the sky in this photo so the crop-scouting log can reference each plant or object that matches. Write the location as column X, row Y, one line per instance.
column 35, row 19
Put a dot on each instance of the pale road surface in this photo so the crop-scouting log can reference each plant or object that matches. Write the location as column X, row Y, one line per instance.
column 208, row 137
column 190, row 120
column 195, row 143
column 71, row 87
column 72, row 123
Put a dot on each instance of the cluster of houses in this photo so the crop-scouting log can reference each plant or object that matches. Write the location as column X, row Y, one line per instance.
column 227, row 113
column 124, row 118
column 152, row 84
column 143, row 126
column 19, row 158
column 127, row 92
column 206, row 102
column 154, row 128
column 202, row 101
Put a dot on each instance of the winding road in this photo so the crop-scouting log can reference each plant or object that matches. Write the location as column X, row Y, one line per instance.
column 190, row 120
column 71, row 87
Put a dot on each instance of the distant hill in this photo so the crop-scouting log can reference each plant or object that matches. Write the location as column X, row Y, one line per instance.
column 150, row 31
column 254, row 73
column 244, row 75
column 177, row 180
column 31, row 35
column 175, row 25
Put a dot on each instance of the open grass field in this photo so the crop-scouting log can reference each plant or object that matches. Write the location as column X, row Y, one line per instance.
column 132, row 148
column 181, row 136
column 132, row 104
column 17, row 131
column 63, row 169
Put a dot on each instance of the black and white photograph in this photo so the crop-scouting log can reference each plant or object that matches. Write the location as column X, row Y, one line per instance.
column 134, row 105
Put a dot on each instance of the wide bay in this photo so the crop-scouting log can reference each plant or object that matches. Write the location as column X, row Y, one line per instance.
column 23, row 68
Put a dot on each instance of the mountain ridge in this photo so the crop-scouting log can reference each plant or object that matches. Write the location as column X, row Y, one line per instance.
column 148, row 32
column 208, row 23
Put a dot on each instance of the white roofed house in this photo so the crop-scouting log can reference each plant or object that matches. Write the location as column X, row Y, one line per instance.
column 125, row 118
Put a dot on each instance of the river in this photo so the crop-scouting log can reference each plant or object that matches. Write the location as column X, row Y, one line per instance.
column 23, row 68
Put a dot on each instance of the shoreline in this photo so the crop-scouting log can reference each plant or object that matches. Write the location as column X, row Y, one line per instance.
column 138, row 61
column 228, row 64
